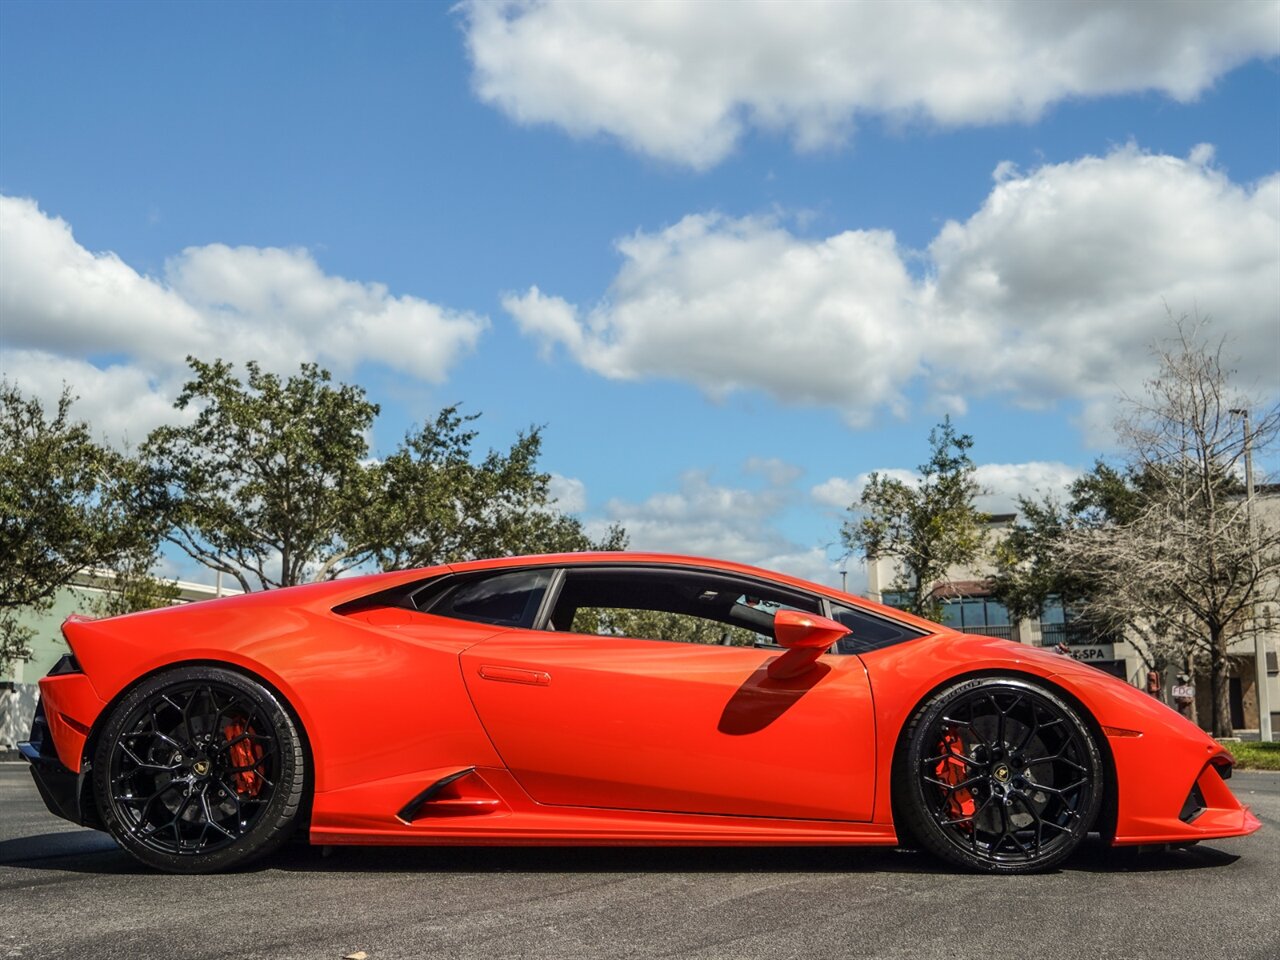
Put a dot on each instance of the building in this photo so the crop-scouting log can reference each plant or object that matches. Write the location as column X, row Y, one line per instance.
column 18, row 682
column 968, row 606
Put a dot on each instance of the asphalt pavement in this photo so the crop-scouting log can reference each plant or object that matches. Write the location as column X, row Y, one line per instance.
column 70, row 893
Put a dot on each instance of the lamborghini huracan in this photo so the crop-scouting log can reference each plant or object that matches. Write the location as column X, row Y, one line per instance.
column 609, row 698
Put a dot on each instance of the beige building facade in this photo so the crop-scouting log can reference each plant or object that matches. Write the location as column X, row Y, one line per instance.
column 970, row 607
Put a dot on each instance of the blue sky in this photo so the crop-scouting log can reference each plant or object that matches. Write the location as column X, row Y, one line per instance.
column 733, row 259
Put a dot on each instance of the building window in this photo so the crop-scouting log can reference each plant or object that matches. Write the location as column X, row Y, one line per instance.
column 899, row 601
column 1059, row 623
column 1052, row 612
column 977, row 615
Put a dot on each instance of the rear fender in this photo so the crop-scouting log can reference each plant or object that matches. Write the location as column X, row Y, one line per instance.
column 374, row 700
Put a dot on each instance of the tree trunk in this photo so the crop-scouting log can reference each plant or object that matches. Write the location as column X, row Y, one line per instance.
column 1219, row 674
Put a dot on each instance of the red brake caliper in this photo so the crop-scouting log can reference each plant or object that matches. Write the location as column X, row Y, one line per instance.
column 244, row 755
column 952, row 770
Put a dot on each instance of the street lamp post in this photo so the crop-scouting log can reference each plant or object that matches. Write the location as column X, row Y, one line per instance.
column 1259, row 641
column 844, row 572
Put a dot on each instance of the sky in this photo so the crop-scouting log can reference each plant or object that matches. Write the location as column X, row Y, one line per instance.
column 732, row 258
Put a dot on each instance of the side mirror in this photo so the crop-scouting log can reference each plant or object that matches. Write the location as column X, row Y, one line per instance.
column 806, row 637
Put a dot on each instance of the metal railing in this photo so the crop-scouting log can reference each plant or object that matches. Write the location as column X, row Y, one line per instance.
column 1072, row 634
column 1002, row 633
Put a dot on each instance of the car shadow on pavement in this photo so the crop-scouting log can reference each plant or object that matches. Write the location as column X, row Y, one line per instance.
column 74, row 851
column 606, row 860
column 1092, row 857
column 85, row 851
column 1097, row 857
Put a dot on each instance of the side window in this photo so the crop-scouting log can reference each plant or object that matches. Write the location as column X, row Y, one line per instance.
column 683, row 606
column 504, row 599
column 659, row 625
column 869, row 632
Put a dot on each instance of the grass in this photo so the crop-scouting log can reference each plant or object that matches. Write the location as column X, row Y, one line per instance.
column 1255, row 755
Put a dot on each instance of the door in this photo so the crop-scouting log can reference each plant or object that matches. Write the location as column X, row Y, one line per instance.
column 632, row 723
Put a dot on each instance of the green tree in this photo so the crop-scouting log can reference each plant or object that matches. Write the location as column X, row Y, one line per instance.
column 660, row 625
column 270, row 483
column 273, row 483
column 1029, row 561
column 441, row 506
column 926, row 527
column 66, row 505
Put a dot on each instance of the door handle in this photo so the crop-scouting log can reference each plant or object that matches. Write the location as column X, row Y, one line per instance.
column 537, row 678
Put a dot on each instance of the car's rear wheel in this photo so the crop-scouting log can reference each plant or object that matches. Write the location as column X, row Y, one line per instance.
column 1000, row 775
column 199, row 769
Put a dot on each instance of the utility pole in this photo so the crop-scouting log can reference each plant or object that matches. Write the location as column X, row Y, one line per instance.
column 1259, row 641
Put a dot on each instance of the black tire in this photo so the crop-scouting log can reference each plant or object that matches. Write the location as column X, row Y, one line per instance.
column 199, row 769
column 999, row 775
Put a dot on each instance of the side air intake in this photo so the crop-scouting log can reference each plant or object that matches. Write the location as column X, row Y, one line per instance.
column 461, row 794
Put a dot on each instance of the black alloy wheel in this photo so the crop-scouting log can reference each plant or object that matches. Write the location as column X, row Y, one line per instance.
column 199, row 769
column 1000, row 775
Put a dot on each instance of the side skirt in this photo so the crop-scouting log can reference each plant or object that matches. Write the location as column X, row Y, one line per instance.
column 368, row 814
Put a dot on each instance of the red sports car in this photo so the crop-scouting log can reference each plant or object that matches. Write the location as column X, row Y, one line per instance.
column 602, row 699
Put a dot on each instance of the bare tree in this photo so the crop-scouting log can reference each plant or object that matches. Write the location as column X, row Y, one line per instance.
column 1184, row 575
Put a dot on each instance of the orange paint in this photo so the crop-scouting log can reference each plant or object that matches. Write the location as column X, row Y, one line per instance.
column 583, row 739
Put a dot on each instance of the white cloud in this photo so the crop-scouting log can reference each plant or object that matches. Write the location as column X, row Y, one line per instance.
column 277, row 303
column 815, row 566
column 64, row 307
column 683, row 80
column 122, row 401
column 1005, row 482
column 56, row 295
column 729, row 304
column 1002, row 484
column 706, row 519
column 1056, row 286
column 776, row 472
column 840, row 492
column 569, row 494
column 1053, row 289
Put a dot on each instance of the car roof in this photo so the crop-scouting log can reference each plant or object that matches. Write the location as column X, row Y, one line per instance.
column 641, row 558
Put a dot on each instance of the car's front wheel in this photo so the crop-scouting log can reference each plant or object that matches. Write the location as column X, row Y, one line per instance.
column 999, row 775
column 199, row 769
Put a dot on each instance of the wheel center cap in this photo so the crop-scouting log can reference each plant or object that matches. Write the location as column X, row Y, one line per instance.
column 1001, row 772
column 201, row 767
